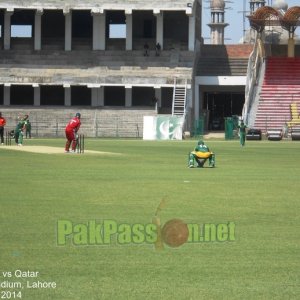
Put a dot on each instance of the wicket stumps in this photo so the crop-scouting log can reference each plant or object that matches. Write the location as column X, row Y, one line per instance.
column 8, row 138
column 80, row 144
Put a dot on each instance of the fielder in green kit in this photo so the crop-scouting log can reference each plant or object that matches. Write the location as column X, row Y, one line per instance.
column 242, row 127
column 21, row 126
column 200, row 154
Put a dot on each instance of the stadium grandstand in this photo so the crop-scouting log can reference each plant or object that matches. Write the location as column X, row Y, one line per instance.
column 102, row 58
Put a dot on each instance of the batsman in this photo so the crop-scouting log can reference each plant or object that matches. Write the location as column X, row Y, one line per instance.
column 71, row 133
column 201, row 154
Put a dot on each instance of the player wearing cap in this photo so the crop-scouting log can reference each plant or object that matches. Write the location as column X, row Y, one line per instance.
column 71, row 132
column 20, row 128
column 2, row 124
column 201, row 153
column 242, row 128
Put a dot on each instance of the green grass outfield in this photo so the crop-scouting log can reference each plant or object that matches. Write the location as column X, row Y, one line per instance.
column 255, row 187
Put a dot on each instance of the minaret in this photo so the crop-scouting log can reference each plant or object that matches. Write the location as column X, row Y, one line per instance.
column 217, row 24
column 255, row 4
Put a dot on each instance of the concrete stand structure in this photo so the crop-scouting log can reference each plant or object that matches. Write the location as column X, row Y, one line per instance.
column 90, row 54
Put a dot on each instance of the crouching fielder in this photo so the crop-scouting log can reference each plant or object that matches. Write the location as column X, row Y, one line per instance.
column 201, row 154
column 71, row 133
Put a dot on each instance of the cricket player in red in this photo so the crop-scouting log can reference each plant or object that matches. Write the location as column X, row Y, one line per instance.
column 71, row 132
column 2, row 124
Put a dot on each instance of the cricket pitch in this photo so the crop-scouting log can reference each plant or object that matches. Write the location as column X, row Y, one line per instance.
column 51, row 150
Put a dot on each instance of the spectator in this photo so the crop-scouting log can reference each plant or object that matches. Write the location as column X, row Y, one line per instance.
column 146, row 49
column 157, row 49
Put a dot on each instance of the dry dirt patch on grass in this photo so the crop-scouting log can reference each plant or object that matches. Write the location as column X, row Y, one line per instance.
column 51, row 150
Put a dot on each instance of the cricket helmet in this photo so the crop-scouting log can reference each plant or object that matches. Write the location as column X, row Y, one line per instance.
column 200, row 143
column 78, row 115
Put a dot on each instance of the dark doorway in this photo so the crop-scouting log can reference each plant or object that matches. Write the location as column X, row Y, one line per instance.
column 219, row 105
column 114, row 96
column 143, row 29
column 143, row 96
column 52, row 95
column 115, row 30
column 22, row 29
column 21, row 95
column 166, row 100
column 82, row 29
column 1, row 94
column 148, row 29
column 81, row 95
column 176, row 30
column 82, row 24
column 53, row 29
